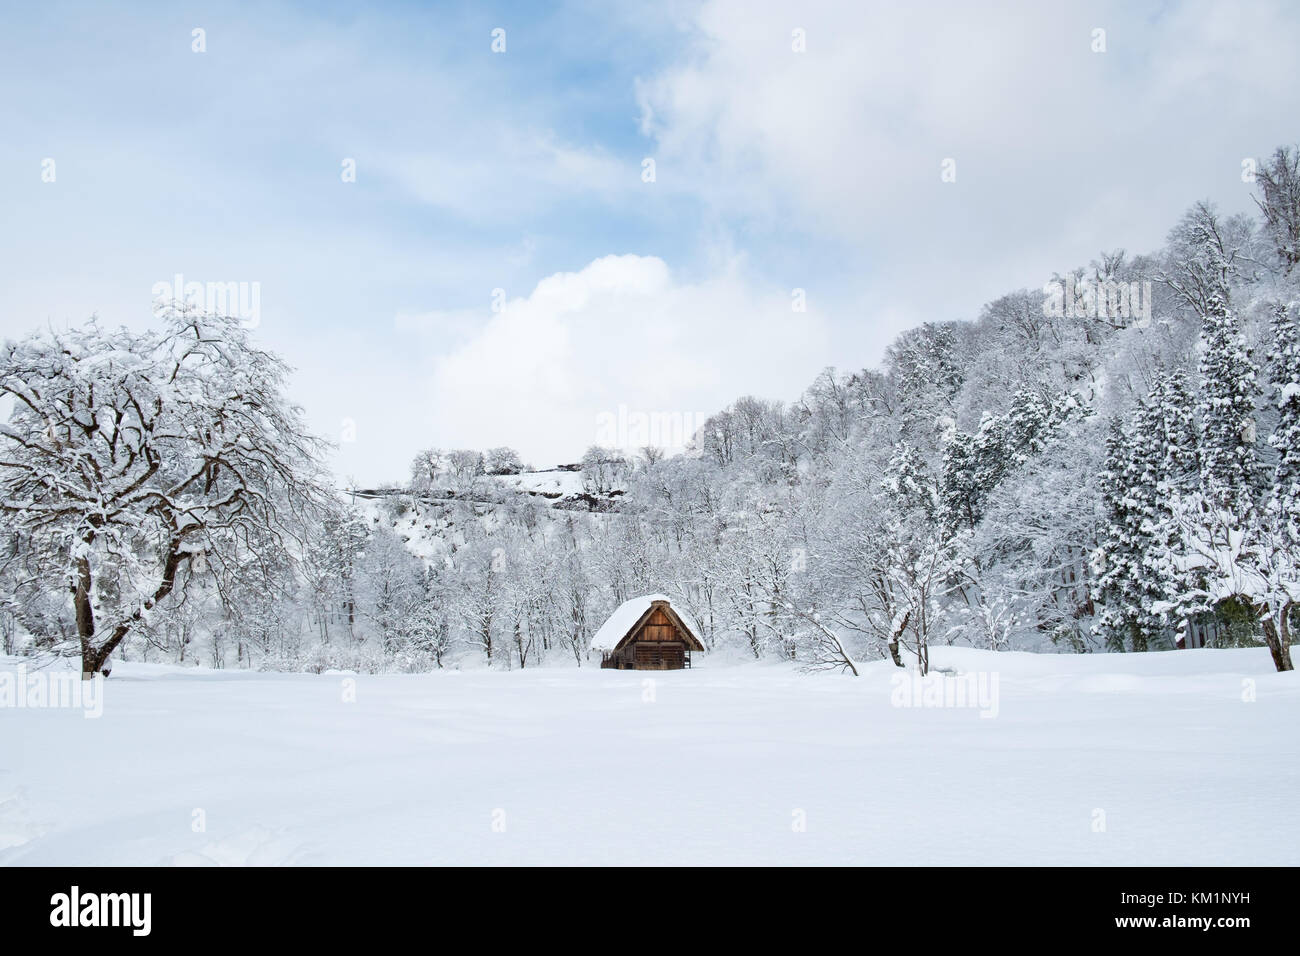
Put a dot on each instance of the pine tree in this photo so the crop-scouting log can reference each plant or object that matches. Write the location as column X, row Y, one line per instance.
column 1031, row 422
column 1167, row 433
column 960, row 501
column 1123, row 577
column 909, row 484
column 974, row 465
column 1284, row 382
column 1150, row 458
column 1172, row 397
column 1230, row 469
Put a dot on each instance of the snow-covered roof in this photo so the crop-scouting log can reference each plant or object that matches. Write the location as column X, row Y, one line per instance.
column 625, row 618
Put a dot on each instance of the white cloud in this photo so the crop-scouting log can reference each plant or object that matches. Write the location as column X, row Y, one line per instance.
column 622, row 332
column 1060, row 151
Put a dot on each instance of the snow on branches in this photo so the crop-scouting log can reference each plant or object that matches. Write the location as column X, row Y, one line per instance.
column 129, row 455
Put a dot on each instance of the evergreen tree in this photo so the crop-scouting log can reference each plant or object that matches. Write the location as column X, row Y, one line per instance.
column 1168, row 447
column 974, row 465
column 960, row 495
column 1230, row 469
column 1150, row 459
column 1284, row 381
column 1124, row 581
column 1174, row 420
column 908, row 482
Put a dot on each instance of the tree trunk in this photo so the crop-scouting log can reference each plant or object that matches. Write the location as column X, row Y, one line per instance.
column 90, row 657
column 896, row 637
column 1277, row 635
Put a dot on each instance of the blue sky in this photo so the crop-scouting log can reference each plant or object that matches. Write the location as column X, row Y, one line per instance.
column 522, row 172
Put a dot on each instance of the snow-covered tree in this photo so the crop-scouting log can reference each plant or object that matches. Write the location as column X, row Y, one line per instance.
column 1150, row 459
column 391, row 595
column 1284, row 392
column 1229, row 458
column 502, row 461
column 603, row 470
column 1279, row 182
column 127, row 456
column 1123, row 585
column 1232, row 546
column 330, row 568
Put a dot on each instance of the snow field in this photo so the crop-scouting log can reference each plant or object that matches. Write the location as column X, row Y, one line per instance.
column 1160, row 759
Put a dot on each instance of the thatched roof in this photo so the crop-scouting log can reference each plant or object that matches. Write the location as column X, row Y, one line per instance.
column 632, row 612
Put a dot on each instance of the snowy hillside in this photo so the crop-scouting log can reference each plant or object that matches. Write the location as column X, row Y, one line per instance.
column 432, row 527
column 562, row 487
column 1158, row 758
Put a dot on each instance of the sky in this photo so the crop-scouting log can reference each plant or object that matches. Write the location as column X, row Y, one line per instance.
column 484, row 224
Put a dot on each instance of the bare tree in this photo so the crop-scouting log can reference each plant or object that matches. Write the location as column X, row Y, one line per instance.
column 129, row 456
column 1279, row 182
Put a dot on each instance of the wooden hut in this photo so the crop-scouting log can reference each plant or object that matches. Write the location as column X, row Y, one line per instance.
column 646, row 634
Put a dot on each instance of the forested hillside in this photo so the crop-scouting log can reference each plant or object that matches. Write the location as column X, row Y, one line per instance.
column 1111, row 461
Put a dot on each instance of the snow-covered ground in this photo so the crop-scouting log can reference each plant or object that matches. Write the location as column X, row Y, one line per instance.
column 553, row 482
column 1102, row 759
